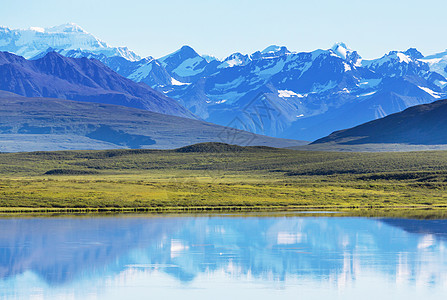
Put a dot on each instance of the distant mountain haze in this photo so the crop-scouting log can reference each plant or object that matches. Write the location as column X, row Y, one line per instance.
column 38, row 124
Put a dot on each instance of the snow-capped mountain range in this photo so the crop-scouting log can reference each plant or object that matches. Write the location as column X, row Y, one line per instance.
column 31, row 42
column 277, row 92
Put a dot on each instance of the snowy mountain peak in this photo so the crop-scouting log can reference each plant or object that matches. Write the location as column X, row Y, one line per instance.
column 4, row 32
column 64, row 28
column 402, row 57
column 184, row 63
column 275, row 50
column 209, row 58
column 37, row 29
column 53, row 55
column 235, row 59
column 271, row 49
column 183, row 53
column 188, row 50
column 270, row 52
column 407, row 57
column 401, row 63
column 64, row 38
column 342, row 50
column 177, row 57
column 414, row 53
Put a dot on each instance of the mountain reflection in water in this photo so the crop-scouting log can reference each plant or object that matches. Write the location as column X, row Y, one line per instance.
column 59, row 253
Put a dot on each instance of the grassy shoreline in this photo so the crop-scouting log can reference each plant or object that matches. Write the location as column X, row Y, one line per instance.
column 196, row 209
column 421, row 213
column 215, row 178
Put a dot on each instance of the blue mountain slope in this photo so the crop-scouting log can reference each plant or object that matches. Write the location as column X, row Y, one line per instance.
column 418, row 125
column 80, row 79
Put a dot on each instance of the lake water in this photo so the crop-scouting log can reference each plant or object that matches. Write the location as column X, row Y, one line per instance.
column 222, row 257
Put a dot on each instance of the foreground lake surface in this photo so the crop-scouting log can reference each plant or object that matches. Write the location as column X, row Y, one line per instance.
column 222, row 257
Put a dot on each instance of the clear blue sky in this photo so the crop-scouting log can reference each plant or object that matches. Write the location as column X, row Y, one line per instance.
column 219, row 28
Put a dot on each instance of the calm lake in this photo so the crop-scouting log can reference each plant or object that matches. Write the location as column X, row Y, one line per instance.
column 222, row 257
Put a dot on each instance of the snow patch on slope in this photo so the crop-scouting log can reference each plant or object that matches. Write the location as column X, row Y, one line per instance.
column 367, row 94
column 176, row 82
column 442, row 84
column 289, row 94
column 431, row 92
column 230, row 63
column 347, row 67
column 403, row 58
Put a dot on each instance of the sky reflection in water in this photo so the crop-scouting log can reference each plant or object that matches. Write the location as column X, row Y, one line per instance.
column 222, row 257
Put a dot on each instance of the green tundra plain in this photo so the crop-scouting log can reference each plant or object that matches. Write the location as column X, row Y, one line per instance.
column 219, row 177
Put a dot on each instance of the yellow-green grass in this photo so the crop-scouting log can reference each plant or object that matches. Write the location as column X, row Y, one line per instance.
column 229, row 178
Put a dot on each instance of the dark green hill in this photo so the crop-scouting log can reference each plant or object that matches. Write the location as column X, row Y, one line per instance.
column 214, row 147
column 419, row 125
